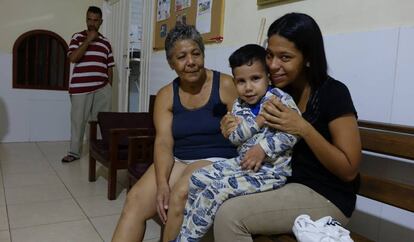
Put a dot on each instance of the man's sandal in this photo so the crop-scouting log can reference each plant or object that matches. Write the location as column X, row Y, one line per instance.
column 69, row 158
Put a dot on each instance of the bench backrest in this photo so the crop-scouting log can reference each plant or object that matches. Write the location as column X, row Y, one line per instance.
column 394, row 140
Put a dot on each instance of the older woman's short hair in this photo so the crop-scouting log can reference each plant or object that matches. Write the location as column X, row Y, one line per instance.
column 182, row 32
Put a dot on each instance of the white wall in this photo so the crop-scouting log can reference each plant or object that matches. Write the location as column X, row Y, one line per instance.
column 28, row 115
column 367, row 43
column 375, row 65
column 32, row 115
column 60, row 16
column 242, row 17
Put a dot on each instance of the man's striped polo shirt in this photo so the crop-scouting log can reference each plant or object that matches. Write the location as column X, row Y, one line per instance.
column 90, row 73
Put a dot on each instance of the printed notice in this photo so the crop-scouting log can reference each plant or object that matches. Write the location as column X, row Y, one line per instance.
column 163, row 9
column 181, row 19
column 203, row 22
column 181, row 4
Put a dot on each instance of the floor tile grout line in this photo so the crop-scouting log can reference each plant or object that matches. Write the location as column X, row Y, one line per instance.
column 73, row 197
column 44, row 224
column 5, row 202
column 38, row 202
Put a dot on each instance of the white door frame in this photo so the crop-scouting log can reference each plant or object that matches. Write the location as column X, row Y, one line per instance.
column 116, row 19
column 116, row 26
column 146, row 52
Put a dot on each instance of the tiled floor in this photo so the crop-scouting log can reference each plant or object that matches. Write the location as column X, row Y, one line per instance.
column 43, row 200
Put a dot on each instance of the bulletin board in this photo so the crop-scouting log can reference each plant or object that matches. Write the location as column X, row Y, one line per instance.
column 206, row 15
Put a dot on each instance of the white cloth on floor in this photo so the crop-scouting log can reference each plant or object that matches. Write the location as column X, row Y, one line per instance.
column 325, row 229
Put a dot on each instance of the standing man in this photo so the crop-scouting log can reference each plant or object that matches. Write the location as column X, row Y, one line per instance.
column 90, row 86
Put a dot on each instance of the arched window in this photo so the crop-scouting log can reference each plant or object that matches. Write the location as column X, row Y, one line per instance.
column 39, row 61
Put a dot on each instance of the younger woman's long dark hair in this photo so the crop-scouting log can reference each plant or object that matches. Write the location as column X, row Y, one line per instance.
column 304, row 32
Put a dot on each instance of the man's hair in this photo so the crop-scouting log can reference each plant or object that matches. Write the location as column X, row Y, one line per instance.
column 182, row 32
column 95, row 10
column 247, row 54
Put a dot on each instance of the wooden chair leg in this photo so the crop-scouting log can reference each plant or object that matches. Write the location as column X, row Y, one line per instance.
column 92, row 169
column 111, row 183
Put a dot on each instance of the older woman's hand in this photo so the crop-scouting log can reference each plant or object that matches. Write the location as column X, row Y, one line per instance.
column 228, row 124
column 163, row 195
column 280, row 117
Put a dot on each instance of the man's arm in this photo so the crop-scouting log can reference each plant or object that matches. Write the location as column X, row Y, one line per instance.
column 110, row 74
column 78, row 53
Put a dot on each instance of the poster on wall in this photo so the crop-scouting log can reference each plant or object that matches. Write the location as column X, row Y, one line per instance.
column 163, row 30
column 206, row 15
column 181, row 19
column 163, row 10
column 203, row 21
column 182, row 4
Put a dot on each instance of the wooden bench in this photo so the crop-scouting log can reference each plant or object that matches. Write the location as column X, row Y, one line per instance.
column 384, row 139
column 393, row 140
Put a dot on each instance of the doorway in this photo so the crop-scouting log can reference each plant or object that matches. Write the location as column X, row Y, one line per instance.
column 126, row 22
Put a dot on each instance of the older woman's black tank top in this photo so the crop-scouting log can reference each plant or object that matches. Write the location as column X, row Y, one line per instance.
column 197, row 132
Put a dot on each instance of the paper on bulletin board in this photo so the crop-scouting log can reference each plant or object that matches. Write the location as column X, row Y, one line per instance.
column 163, row 10
column 182, row 4
column 203, row 19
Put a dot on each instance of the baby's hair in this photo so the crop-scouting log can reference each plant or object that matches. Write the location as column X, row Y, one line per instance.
column 247, row 54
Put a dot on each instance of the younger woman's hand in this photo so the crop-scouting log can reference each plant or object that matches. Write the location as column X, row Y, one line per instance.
column 281, row 117
column 253, row 158
column 163, row 196
column 228, row 124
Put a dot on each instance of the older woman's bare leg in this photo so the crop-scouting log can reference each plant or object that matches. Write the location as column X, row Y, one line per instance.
column 140, row 205
column 178, row 198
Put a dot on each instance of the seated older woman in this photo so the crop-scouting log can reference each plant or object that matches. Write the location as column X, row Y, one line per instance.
column 187, row 118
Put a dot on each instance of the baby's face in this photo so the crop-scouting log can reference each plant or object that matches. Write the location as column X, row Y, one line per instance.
column 251, row 82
